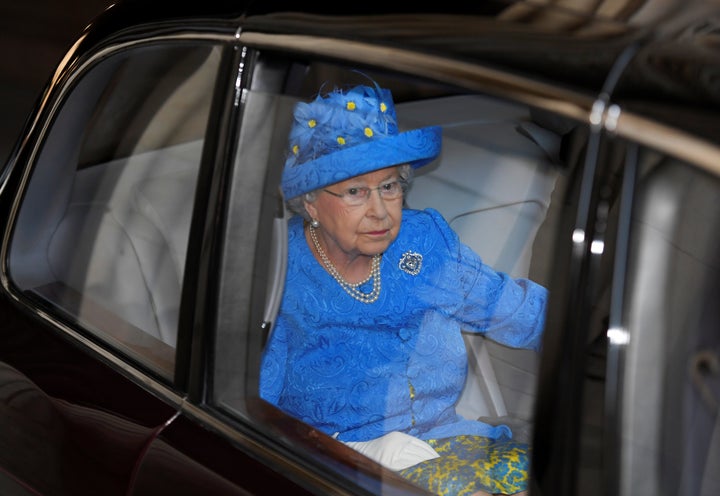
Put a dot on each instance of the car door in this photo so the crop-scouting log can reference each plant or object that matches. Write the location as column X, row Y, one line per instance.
column 663, row 327
column 99, row 209
column 635, row 357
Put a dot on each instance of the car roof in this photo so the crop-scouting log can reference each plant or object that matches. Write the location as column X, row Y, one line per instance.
column 666, row 51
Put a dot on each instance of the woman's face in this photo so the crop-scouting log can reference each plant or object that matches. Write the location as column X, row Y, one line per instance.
column 352, row 230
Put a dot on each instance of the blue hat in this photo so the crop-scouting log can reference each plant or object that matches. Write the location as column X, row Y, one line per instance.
column 348, row 133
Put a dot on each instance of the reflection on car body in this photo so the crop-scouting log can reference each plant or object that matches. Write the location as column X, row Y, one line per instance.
column 145, row 241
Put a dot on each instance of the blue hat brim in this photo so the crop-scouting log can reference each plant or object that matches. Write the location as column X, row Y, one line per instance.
column 416, row 147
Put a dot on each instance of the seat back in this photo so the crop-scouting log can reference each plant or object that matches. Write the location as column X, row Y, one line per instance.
column 122, row 239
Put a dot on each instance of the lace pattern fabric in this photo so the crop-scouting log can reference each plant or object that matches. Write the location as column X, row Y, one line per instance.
column 360, row 371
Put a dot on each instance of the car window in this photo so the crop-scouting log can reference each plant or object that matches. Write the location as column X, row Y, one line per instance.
column 103, row 227
column 499, row 185
column 666, row 340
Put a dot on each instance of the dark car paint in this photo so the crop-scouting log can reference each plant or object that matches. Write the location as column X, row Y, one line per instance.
column 93, row 425
column 66, row 385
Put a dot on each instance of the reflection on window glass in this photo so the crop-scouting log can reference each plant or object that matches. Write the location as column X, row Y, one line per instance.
column 412, row 234
column 671, row 381
column 103, row 229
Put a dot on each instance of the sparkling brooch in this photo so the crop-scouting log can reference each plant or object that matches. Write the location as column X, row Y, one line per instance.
column 411, row 263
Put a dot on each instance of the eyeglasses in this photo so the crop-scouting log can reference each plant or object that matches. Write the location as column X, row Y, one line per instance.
column 359, row 195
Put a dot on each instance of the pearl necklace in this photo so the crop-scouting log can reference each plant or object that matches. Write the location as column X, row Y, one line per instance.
column 350, row 288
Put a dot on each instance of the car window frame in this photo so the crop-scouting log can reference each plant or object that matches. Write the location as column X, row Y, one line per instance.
column 46, row 114
column 474, row 77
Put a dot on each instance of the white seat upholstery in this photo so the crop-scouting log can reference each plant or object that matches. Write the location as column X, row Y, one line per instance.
column 122, row 241
column 122, row 265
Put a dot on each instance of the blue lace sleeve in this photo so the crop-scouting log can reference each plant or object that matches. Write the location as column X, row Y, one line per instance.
column 509, row 311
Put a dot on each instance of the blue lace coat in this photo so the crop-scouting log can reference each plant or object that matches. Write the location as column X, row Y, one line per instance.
column 360, row 370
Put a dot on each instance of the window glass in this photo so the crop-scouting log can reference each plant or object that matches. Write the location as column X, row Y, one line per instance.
column 103, row 228
column 472, row 253
column 670, row 384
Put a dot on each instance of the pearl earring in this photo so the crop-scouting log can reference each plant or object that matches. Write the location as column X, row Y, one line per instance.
column 315, row 223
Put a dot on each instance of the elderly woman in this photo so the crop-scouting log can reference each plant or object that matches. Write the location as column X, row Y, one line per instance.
column 367, row 346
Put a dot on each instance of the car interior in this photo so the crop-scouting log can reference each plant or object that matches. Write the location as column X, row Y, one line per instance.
column 102, row 233
column 115, row 219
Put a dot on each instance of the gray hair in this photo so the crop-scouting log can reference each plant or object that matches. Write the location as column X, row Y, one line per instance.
column 297, row 204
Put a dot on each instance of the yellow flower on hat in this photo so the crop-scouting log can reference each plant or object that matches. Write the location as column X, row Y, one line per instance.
column 383, row 107
column 368, row 132
column 351, row 105
column 341, row 140
column 295, row 149
column 312, row 123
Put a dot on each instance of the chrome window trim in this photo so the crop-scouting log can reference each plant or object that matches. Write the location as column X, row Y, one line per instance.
column 633, row 127
column 465, row 74
column 669, row 140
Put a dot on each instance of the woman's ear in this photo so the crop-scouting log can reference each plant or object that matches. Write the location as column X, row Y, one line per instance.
column 310, row 208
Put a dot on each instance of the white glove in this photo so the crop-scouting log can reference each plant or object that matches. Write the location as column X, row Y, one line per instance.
column 395, row 450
